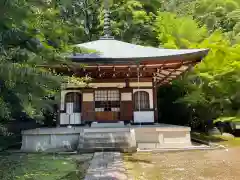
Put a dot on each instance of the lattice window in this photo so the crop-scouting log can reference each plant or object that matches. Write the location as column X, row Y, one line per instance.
column 141, row 100
column 73, row 101
column 107, row 100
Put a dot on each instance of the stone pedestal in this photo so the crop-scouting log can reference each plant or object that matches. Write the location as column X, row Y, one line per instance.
column 103, row 139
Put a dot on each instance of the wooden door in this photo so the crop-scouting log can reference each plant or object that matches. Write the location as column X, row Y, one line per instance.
column 107, row 116
column 107, row 105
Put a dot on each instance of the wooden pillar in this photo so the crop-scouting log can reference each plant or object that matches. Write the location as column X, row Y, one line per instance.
column 88, row 106
column 58, row 116
column 155, row 102
column 126, row 104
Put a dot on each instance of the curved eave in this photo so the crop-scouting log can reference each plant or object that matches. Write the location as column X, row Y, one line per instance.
column 98, row 59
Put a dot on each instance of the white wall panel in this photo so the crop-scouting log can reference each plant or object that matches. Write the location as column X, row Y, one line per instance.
column 126, row 96
column 144, row 116
column 88, row 97
column 74, row 118
column 141, row 84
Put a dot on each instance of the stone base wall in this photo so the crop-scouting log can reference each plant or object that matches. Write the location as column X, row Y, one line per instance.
column 50, row 139
column 83, row 138
column 163, row 137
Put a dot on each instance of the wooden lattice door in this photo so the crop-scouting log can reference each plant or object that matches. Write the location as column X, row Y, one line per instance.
column 107, row 105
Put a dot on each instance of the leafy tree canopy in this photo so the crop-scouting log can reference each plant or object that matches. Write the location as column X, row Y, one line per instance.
column 33, row 33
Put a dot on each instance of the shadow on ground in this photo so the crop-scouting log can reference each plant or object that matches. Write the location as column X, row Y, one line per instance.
column 208, row 138
column 134, row 160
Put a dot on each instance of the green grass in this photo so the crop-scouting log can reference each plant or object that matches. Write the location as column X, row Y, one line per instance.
column 40, row 167
column 226, row 141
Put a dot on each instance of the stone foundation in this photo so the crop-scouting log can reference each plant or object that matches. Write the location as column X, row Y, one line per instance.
column 86, row 139
column 162, row 136
column 50, row 139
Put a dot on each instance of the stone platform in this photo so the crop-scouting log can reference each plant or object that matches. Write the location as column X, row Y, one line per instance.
column 97, row 138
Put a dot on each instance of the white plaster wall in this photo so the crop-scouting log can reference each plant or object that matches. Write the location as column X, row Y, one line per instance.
column 150, row 92
column 126, row 96
column 75, row 118
column 71, row 85
column 88, row 97
column 114, row 84
column 117, row 84
column 63, row 93
column 143, row 116
column 140, row 84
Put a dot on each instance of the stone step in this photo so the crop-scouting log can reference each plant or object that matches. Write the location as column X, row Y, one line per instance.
column 103, row 135
column 103, row 142
column 107, row 149
column 106, row 144
column 106, row 125
column 106, row 137
column 109, row 139
column 107, row 130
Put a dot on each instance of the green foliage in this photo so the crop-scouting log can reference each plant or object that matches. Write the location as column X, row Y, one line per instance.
column 132, row 22
column 227, row 119
column 187, row 30
column 211, row 90
column 33, row 33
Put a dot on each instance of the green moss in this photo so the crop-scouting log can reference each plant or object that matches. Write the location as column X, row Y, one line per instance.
column 39, row 167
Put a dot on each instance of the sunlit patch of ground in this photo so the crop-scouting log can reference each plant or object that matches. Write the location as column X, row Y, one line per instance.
column 43, row 167
column 195, row 165
column 231, row 142
column 223, row 140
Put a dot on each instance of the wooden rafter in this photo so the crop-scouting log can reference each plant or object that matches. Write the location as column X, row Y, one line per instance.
column 167, row 76
column 165, row 82
column 163, row 72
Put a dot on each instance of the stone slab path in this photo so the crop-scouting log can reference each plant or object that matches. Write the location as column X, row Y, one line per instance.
column 106, row 166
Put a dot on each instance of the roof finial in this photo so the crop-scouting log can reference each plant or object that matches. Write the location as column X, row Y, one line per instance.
column 106, row 27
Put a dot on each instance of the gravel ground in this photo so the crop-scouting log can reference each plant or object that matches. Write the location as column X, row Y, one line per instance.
column 191, row 165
